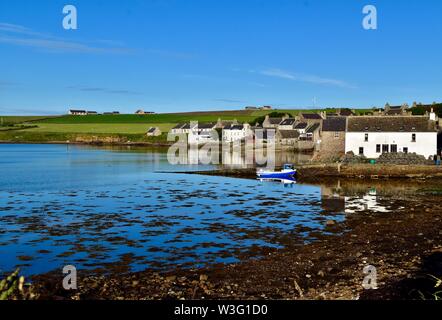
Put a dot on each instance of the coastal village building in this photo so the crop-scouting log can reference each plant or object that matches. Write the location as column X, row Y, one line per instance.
column 273, row 123
column 202, row 137
column 220, row 124
column 204, row 127
column 236, row 132
column 301, row 127
column 373, row 136
column 287, row 124
column 154, row 132
column 178, row 129
column 287, row 137
column 311, row 118
column 333, row 137
column 396, row 110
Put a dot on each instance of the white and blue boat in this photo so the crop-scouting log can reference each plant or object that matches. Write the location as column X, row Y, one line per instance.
column 287, row 173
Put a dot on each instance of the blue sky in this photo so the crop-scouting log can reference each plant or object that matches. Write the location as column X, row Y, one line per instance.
column 185, row 55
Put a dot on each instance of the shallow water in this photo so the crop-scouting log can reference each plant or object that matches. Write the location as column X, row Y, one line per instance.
column 109, row 210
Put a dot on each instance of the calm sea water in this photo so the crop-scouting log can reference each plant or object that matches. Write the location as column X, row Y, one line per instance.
column 110, row 210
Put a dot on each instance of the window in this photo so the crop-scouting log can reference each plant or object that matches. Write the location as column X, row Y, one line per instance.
column 413, row 137
column 366, row 137
column 378, row 148
column 405, row 149
column 393, row 148
column 361, row 151
column 385, row 148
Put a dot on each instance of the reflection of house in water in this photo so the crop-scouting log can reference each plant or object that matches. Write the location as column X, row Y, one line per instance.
column 368, row 202
column 331, row 200
column 334, row 200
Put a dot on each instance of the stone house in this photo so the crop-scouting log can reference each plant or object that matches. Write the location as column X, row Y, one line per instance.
column 287, row 137
column 273, row 123
column 333, row 138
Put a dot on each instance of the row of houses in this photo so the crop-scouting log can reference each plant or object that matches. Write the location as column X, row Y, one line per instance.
column 331, row 134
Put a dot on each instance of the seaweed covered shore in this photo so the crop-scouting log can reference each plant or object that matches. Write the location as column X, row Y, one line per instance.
column 404, row 245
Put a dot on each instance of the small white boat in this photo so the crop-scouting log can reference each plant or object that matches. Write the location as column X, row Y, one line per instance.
column 287, row 173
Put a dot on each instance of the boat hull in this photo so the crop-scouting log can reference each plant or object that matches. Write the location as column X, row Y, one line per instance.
column 276, row 175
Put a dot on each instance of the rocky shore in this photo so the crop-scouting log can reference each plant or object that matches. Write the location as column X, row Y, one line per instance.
column 317, row 172
column 404, row 245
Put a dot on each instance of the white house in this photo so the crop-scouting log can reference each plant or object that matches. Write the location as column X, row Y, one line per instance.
column 372, row 136
column 236, row 132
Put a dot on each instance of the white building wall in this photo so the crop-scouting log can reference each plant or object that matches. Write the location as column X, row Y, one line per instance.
column 426, row 142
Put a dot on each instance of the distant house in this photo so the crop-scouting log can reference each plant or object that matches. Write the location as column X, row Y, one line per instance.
column 373, row 136
column 236, row 132
column 75, row 112
column 154, row 132
column 92, row 112
column 270, row 123
column 251, row 108
column 311, row 118
column 397, row 110
column 346, row 112
column 220, row 124
column 266, row 108
column 115, row 112
column 287, row 137
column 141, row 112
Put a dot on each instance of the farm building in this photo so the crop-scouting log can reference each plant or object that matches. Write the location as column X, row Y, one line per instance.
column 153, row 132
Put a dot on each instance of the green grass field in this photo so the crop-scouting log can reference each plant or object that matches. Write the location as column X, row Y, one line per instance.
column 131, row 126
column 123, row 128
column 21, row 119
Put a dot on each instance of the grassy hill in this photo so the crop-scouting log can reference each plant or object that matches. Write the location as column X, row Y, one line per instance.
column 126, row 126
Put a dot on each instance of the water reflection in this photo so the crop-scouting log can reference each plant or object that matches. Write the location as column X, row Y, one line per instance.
column 100, row 208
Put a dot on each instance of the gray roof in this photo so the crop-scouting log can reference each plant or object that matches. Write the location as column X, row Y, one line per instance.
column 152, row 130
column 179, row 126
column 206, row 125
column 311, row 116
column 287, row 122
column 313, row 128
column 391, row 124
column 334, row 124
column 275, row 120
column 301, row 125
